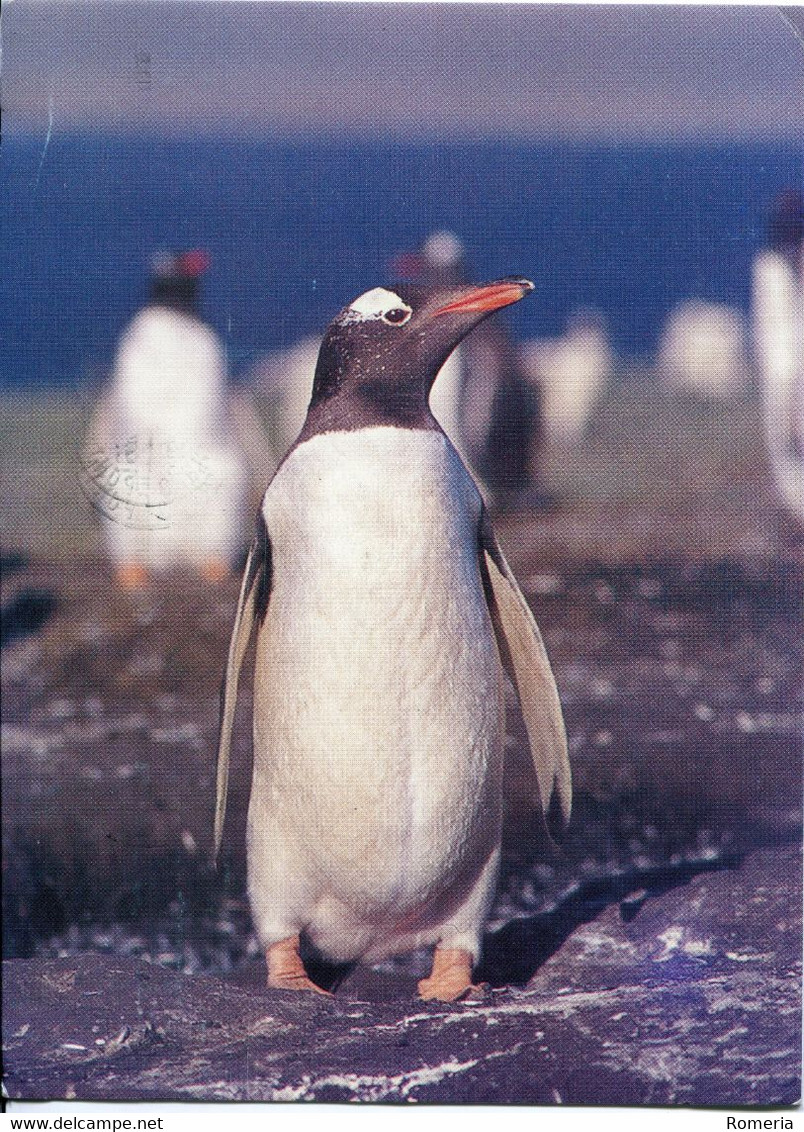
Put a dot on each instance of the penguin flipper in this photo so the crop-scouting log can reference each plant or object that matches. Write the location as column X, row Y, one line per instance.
column 525, row 659
column 254, row 593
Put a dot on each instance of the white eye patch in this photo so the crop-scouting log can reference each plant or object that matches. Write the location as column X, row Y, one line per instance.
column 377, row 304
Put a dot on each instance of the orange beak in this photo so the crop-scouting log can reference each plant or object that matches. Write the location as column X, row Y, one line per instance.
column 489, row 297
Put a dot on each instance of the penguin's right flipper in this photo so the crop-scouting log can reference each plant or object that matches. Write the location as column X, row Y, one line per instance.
column 251, row 606
column 525, row 659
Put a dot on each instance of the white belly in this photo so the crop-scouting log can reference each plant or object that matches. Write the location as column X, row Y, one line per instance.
column 378, row 715
column 166, row 472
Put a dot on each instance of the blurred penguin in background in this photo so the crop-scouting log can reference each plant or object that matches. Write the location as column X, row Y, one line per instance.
column 481, row 398
column 165, row 462
column 703, row 349
column 283, row 383
column 573, row 372
column 778, row 333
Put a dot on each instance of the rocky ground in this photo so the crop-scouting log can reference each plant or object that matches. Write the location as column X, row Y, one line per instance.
column 694, row 1001
column 654, row 959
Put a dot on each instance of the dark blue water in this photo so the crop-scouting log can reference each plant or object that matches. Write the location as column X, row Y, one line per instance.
column 297, row 230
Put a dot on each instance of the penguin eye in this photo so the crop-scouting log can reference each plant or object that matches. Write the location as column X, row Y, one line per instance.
column 398, row 316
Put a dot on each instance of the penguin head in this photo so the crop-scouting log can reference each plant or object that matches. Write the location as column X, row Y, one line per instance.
column 441, row 261
column 786, row 223
column 176, row 278
column 383, row 352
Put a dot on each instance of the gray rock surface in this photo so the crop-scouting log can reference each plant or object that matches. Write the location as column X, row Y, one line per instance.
column 692, row 998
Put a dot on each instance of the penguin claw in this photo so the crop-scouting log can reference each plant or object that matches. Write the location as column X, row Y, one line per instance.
column 475, row 992
column 296, row 983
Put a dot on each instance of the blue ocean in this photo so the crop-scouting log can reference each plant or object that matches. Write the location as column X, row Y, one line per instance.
column 295, row 230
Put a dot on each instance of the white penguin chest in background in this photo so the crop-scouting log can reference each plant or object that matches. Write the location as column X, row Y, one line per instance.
column 169, row 377
column 378, row 684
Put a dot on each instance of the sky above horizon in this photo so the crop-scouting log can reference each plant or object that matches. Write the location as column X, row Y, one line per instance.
column 586, row 72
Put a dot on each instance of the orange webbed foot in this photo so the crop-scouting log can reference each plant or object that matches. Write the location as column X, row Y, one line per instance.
column 214, row 570
column 451, row 977
column 131, row 576
column 286, row 970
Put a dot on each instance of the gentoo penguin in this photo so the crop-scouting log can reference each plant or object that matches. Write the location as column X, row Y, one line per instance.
column 572, row 373
column 385, row 614
column 778, row 332
column 161, row 464
column 284, row 379
column 481, row 397
column 703, row 348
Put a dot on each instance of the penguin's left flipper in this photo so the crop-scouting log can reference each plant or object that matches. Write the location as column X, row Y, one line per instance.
column 254, row 594
column 525, row 659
